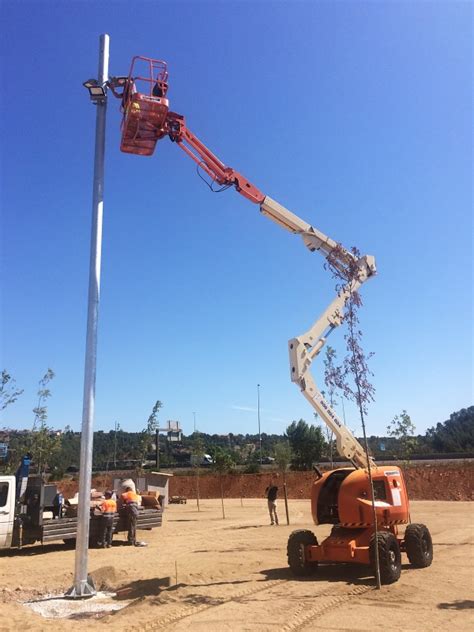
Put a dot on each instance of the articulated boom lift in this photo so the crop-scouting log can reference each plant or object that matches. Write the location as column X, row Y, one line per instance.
column 342, row 497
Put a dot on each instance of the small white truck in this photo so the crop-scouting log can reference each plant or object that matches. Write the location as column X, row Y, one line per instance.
column 28, row 514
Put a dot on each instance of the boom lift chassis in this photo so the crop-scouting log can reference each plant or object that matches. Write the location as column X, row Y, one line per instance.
column 342, row 497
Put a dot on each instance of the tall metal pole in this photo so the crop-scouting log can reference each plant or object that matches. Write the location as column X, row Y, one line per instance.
column 82, row 586
column 115, row 446
column 258, row 414
column 194, row 414
column 157, row 464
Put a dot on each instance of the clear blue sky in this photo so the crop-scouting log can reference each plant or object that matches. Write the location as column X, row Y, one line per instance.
column 356, row 116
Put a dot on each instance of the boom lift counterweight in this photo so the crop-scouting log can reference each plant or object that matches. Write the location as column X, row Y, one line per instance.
column 342, row 497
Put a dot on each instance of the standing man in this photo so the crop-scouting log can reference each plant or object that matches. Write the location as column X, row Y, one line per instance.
column 108, row 508
column 272, row 493
column 131, row 501
column 58, row 504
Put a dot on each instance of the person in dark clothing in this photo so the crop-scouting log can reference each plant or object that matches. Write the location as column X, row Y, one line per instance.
column 272, row 493
column 157, row 90
column 108, row 509
column 58, row 504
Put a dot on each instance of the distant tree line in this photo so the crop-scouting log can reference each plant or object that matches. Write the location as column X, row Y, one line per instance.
column 304, row 443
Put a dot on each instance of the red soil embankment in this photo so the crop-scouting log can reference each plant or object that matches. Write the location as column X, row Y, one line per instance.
column 424, row 482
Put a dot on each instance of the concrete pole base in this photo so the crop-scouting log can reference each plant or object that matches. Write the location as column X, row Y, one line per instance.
column 82, row 590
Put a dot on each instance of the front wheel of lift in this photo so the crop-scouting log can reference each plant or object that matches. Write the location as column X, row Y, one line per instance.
column 297, row 561
column 390, row 559
column 418, row 545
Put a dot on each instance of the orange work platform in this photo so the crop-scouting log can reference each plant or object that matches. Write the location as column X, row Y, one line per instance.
column 143, row 123
column 144, row 106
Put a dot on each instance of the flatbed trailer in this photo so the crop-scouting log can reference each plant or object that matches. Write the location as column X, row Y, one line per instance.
column 29, row 520
column 65, row 529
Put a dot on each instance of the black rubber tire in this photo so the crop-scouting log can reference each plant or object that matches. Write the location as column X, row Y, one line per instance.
column 390, row 559
column 418, row 545
column 296, row 559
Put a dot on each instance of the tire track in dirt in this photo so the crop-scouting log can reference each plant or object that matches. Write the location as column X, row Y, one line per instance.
column 188, row 611
column 306, row 614
column 303, row 615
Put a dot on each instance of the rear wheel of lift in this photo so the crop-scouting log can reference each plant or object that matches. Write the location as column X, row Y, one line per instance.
column 297, row 561
column 390, row 559
column 418, row 545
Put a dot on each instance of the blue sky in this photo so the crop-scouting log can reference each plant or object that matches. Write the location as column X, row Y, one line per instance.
column 356, row 116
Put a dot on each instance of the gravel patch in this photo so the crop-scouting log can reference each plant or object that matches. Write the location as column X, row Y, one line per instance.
column 57, row 607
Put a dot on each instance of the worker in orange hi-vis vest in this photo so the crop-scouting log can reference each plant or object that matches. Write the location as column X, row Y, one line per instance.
column 108, row 508
column 131, row 500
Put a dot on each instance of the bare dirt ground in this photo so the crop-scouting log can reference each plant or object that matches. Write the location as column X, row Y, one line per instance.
column 202, row 572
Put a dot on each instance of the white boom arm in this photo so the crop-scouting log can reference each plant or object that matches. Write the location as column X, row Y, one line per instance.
column 303, row 349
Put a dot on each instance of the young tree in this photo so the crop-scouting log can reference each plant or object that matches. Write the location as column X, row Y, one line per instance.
column 282, row 452
column 45, row 443
column 283, row 455
column 9, row 392
column 197, row 452
column 223, row 463
column 330, row 370
column 306, row 444
column 353, row 376
column 403, row 429
column 148, row 434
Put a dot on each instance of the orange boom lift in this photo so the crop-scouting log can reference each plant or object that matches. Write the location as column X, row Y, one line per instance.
column 342, row 497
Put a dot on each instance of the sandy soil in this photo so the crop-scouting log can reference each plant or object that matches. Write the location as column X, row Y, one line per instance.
column 219, row 575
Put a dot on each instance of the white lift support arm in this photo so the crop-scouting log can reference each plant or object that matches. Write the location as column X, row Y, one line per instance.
column 306, row 347
column 303, row 349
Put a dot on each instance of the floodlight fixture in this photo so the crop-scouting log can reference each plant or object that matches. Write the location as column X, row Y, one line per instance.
column 96, row 91
column 117, row 82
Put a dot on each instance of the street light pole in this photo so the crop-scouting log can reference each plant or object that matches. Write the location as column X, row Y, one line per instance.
column 157, row 444
column 115, row 446
column 258, row 414
column 83, row 587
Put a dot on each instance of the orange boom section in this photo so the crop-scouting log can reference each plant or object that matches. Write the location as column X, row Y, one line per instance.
column 144, row 106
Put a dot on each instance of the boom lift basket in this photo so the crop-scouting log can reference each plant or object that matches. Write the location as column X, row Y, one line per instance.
column 144, row 106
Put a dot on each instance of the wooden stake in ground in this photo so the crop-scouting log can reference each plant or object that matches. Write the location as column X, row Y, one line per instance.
column 282, row 453
column 196, row 458
column 222, row 498
column 286, row 503
column 197, row 488
column 222, row 463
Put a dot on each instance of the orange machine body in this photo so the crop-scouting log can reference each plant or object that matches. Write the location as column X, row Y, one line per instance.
column 343, row 498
